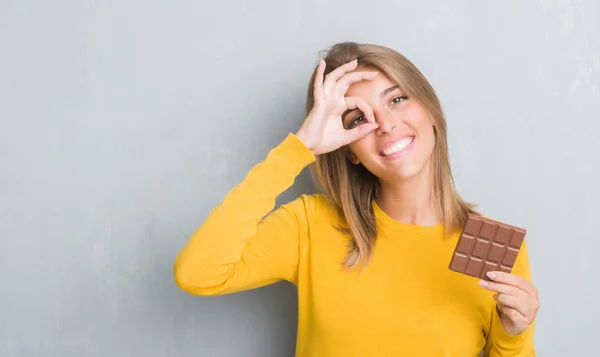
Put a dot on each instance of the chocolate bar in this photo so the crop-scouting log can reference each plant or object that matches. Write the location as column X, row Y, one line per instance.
column 486, row 245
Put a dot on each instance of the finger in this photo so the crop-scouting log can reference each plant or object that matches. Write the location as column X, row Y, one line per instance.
column 527, row 306
column 359, row 103
column 347, row 80
column 318, row 83
column 514, row 280
column 359, row 132
column 515, row 316
column 517, row 304
column 500, row 288
column 510, row 301
column 337, row 73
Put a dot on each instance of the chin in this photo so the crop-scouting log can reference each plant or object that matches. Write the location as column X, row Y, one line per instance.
column 406, row 175
column 403, row 173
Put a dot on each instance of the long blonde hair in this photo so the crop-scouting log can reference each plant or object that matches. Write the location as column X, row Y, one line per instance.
column 351, row 188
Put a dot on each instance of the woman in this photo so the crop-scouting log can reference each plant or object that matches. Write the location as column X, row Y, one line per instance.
column 369, row 254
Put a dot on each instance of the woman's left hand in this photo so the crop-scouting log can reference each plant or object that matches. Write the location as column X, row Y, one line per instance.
column 516, row 300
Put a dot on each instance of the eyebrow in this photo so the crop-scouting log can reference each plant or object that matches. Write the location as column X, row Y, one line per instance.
column 389, row 90
column 383, row 94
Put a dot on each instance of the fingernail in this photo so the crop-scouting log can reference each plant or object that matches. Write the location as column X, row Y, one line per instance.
column 490, row 274
column 483, row 283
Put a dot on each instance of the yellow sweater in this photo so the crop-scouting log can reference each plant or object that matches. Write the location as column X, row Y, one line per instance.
column 405, row 303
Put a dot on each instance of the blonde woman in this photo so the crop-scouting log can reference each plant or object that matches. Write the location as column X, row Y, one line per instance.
column 369, row 253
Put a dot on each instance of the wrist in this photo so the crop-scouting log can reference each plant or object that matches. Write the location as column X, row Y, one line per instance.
column 303, row 138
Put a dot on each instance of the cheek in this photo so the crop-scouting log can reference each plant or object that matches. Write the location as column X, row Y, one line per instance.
column 360, row 148
column 428, row 141
column 431, row 146
column 424, row 126
column 419, row 118
column 427, row 131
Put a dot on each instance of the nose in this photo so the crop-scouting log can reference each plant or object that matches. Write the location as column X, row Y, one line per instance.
column 387, row 122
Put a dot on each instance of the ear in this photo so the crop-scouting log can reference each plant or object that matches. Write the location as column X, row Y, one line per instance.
column 351, row 157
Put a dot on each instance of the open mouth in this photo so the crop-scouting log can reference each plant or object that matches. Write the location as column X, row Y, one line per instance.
column 397, row 146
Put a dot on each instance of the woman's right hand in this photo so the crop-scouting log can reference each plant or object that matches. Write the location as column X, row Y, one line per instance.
column 323, row 130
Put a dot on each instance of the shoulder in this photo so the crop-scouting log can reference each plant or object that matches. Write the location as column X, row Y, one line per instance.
column 316, row 206
column 315, row 202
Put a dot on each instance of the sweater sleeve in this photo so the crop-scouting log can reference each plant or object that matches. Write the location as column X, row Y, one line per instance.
column 499, row 342
column 243, row 244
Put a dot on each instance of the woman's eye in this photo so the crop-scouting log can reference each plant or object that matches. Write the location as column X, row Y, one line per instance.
column 354, row 122
column 398, row 100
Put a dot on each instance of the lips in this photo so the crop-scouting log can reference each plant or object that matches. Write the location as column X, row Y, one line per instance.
column 397, row 146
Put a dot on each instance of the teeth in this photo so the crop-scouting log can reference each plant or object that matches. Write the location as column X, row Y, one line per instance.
column 397, row 146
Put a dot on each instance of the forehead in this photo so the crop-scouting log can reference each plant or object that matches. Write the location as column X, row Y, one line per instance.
column 370, row 88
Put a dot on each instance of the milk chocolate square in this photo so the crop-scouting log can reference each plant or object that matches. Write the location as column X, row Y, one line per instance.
column 484, row 245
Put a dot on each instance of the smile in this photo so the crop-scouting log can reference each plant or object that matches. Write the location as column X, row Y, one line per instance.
column 397, row 146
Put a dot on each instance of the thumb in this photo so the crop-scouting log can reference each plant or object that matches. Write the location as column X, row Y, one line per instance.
column 360, row 132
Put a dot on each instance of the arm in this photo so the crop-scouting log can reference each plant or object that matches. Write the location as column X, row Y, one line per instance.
column 237, row 247
column 499, row 342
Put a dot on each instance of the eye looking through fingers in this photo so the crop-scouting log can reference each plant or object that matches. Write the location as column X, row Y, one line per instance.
column 353, row 119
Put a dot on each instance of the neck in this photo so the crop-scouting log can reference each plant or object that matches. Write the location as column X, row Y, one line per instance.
column 410, row 201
